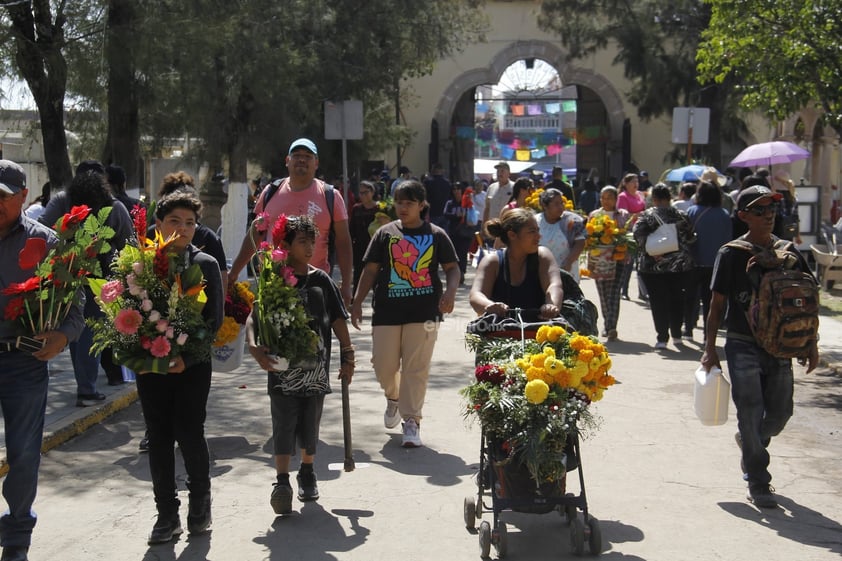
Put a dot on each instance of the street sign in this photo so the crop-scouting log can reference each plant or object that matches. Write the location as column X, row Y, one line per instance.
column 690, row 125
column 344, row 120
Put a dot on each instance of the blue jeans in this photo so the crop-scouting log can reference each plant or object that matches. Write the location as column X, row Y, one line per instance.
column 85, row 365
column 23, row 398
column 761, row 386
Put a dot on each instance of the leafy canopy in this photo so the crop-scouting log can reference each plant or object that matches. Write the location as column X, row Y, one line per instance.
column 782, row 54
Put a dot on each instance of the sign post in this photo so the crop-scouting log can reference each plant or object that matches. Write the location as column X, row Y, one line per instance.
column 344, row 121
column 689, row 125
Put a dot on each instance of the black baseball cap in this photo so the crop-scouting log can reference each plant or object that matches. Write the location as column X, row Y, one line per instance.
column 12, row 177
column 750, row 195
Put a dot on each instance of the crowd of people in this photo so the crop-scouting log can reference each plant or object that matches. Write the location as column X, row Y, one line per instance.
column 392, row 240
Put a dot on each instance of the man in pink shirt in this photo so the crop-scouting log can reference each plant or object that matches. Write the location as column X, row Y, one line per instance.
column 302, row 194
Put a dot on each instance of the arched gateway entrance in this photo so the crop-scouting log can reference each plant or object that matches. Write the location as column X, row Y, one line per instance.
column 599, row 119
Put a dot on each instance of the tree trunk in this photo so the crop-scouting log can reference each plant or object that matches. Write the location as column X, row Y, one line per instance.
column 41, row 63
column 122, row 144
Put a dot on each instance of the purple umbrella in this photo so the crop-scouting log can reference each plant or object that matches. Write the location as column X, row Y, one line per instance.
column 769, row 153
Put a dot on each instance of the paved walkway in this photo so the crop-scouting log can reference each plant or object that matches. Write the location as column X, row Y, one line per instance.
column 64, row 420
column 664, row 487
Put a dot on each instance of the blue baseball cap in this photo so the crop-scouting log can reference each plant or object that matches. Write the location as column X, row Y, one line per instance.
column 303, row 143
column 12, row 177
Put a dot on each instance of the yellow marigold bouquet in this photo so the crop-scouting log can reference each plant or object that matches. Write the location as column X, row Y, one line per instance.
column 238, row 304
column 533, row 201
column 603, row 230
column 531, row 404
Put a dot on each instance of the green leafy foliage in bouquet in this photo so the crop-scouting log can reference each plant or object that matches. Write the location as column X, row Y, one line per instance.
column 41, row 303
column 283, row 324
column 153, row 304
column 531, row 397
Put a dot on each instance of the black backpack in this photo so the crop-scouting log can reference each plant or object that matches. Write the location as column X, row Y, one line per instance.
column 269, row 192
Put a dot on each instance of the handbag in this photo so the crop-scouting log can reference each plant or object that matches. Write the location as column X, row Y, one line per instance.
column 663, row 240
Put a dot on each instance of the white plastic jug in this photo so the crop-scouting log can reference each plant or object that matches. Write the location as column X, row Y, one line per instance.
column 711, row 394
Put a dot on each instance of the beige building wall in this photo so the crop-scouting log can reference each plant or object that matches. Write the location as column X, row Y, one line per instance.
column 513, row 35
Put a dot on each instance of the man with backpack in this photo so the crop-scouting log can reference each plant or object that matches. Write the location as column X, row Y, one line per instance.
column 772, row 317
column 301, row 194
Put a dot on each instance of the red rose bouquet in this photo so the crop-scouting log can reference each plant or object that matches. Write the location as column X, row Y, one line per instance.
column 42, row 302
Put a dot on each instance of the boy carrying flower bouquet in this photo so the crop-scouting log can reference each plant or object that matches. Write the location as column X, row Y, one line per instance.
column 288, row 333
column 174, row 404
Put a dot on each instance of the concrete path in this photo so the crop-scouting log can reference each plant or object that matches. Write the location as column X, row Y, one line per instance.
column 663, row 486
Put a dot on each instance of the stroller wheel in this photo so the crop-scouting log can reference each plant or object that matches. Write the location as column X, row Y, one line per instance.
column 484, row 538
column 577, row 536
column 502, row 544
column 595, row 536
column 470, row 512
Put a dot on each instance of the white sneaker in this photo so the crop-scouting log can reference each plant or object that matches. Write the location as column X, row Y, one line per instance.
column 660, row 345
column 392, row 416
column 411, row 434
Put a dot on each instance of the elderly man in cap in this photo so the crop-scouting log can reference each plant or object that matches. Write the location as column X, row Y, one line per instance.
column 762, row 385
column 302, row 194
column 498, row 193
column 23, row 378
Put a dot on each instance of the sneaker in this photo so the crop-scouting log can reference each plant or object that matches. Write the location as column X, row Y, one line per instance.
column 199, row 514
column 660, row 345
column 89, row 399
column 392, row 416
column 411, row 434
column 308, row 489
column 143, row 445
column 166, row 528
column 678, row 341
column 739, row 439
column 281, row 499
column 761, row 494
column 612, row 335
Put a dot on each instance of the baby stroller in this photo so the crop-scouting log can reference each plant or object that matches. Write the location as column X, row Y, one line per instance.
column 505, row 485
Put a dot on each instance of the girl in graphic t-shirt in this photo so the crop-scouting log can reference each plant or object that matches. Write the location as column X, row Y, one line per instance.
column 401, row 265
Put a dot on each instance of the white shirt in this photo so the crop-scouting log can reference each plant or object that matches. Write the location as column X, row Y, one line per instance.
column 498, row 196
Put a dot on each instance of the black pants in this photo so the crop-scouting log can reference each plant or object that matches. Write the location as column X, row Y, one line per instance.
column 174, row 409
column 666, row 301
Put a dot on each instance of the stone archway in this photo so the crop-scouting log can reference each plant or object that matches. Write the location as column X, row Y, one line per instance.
column 569, row 74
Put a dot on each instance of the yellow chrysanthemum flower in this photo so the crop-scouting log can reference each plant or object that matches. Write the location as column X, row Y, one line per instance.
column 536, row 391
column 542, row 334
column 585, row 355
column 553, row 365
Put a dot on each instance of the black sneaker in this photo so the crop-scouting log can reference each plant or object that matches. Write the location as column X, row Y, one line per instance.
column 89, row 399
column 308, row 490
column 281, row 499
column 143, row 445
column 15, row 553
column 199, row 514
column 761, row 494
column 166, row 528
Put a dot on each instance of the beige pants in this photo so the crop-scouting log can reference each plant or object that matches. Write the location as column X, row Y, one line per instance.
column 401, row 356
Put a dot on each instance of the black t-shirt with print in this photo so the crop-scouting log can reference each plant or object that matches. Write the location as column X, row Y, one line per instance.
column 408, row 288
column 324, row 305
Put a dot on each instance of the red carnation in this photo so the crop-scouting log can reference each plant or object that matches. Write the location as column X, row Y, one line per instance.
column 32, row 253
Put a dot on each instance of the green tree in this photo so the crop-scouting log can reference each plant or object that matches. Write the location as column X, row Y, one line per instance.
column 782, row 55
column 38, row 39
column 656, row 43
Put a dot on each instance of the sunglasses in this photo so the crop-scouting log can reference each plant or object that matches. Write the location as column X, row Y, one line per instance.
column 761, row 210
